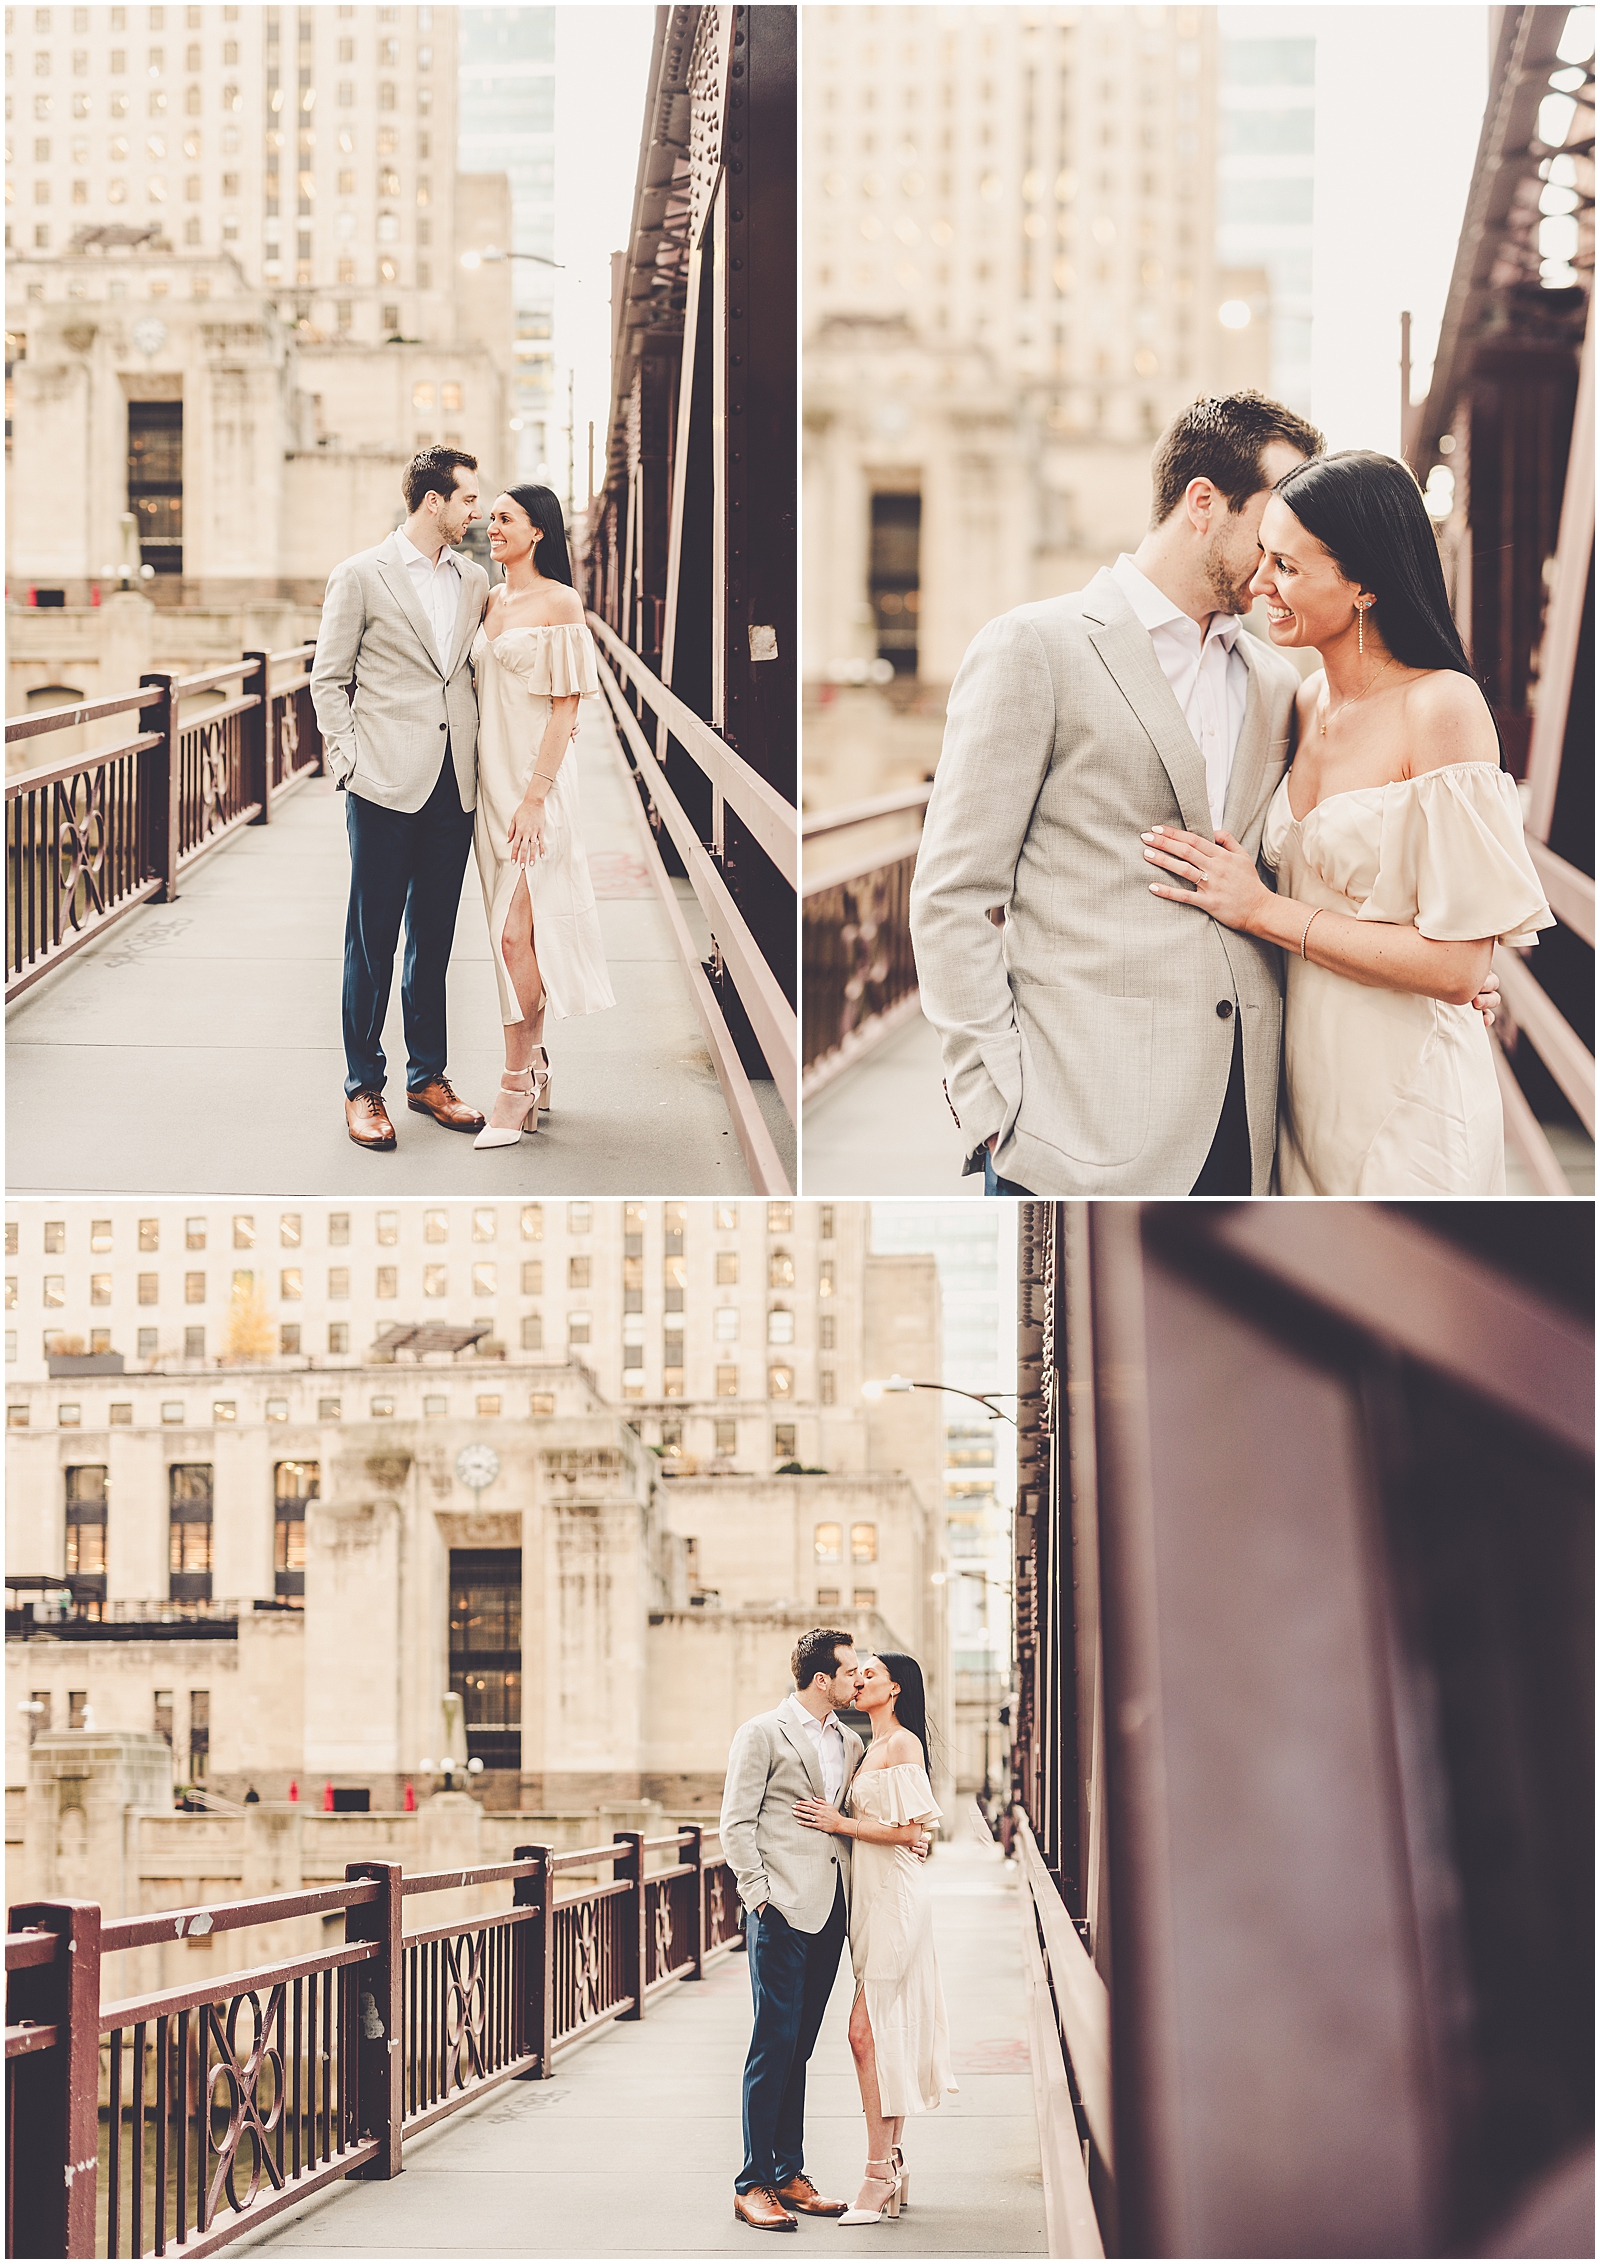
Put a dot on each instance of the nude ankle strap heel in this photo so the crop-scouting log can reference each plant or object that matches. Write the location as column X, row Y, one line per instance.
column 518, row 1085
column 878, row 2174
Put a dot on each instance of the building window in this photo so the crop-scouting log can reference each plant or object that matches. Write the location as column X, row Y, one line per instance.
column 864, row 1599
column 780, row 1270
column 11, row 1238
column 388, row 1227
column 149, row 1234
column 338, row 1229
column 783, row 1442
column 486, row 1651
column 780, row 1218
column 86, row 1522
column 161, row 1714
column 578, row 1328
column 100, row 1289
column 16, row 1417
column 727, row 1439
column 533, row 1222
column 825, row 1222
column 338, row 1282
column 382, row 1407
column 147, row 1342
column 199, row 1731
column 387, row 1283
column 69, row 1415
column 290, row 1282
column 100, row 1234
column 780, row 1383
column 435, row 1226
column 825, row 1384
column 827, row 1598
column 533, row 1277
column 194, row 1288
column 121, row 1412
column 485, row 1224
column 293, row 1485
column 328, row 1410
column 224, row 1411
column 488, row 1403
column 338, row 1336
column 148, row 1289
column 289, row 1230
column 727, row 1268
column 578, row 1273
column 863, row 1544
column 194, row 1233
column 436, row 1281
column 77, row 1708
column 277, row 1411
column 580, row 1217
column 55, row 1237
column 725, row 1324
column 435, row 1403
column 780, row 1325
column 194, row 1344
column 483, row 1278
column 541, row 1403
column 727, row 1217
column 532, row 1332
column 189, row 1512
column 825, row 1278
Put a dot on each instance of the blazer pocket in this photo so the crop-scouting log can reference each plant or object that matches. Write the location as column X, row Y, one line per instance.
column 1085, row 1072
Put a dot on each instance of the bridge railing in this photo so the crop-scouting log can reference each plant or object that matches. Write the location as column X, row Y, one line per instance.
column 737, row 959
column 170, row 2123
column 859, row 979
column 90, row 836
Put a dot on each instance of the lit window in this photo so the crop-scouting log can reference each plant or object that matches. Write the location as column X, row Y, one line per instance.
column 224, row 1411
column 483, row 1278
column 727, row 1383
column 99, row 1289
column 435, row 1226
column 388, row 1229
column 277, row 1411
column 55, row 1237
column 194, row 1234
column 780, row 1270
column 863, row 1544
column 727, row 1217
column 484, row 1224
column 289, row 1230
column 100, row 1234
column 780, row 1383
column 435, row 1281
column 382, row 1407
column 780, row 1218
column 533, row 1222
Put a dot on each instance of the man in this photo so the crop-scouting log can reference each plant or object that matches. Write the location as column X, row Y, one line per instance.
column 1096, row 1046
column 794, row 1884
column 399, row 620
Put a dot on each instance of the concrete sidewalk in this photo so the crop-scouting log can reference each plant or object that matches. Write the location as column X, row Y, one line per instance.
column 632, row 2147
column 197, row 1049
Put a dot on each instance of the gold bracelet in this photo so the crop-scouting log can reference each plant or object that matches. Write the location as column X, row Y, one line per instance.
column 1305, row 931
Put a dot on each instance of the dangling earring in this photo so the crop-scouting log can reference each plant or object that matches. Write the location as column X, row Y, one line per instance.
column 1361, row 626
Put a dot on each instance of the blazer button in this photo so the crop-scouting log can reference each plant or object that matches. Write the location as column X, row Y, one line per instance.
column 445, row 727
column 1224, row 1009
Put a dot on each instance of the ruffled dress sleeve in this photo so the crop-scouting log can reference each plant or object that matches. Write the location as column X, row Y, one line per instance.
column 902, row 1795
column 552, row 663
column 1452, row 861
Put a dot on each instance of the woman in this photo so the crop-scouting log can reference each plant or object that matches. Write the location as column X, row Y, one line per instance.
column 898, row 2032
column 533, row 658
column 1397, row 843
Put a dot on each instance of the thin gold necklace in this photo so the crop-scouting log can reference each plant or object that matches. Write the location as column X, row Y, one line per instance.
column 1361, row 695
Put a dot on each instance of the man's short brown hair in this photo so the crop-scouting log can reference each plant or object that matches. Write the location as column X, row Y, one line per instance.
column 817, row 1652
column 1221, row 438
column 432, row 471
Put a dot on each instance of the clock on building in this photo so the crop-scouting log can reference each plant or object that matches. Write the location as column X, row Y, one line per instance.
column 477, row 1467
column 149, row 334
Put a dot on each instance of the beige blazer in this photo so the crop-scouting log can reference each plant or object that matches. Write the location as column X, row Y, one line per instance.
column 386, row 743
column 1094, row 1032
column 775, row 1857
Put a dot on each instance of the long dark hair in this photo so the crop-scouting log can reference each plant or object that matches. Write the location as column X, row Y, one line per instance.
column 911, row 1707
column 550, row 553
column 1367, row 511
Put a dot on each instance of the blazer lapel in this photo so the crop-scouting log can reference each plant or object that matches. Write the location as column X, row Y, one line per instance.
column 466, row 620
column 1248, row 772
column 807, row 1752
column 398, row 582
column 1124, row 645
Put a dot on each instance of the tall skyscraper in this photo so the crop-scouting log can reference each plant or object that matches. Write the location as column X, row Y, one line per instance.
column 506, row 124
column 1266, row 95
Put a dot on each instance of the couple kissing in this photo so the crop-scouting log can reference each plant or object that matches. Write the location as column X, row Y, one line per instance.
column 827, row 1838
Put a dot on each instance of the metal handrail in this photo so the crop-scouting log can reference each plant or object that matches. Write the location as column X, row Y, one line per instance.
column 890, row 805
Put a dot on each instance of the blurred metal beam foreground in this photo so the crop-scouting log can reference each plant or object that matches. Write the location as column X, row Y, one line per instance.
column 689, row 554
column 1510, row 416
column 1304, row 1736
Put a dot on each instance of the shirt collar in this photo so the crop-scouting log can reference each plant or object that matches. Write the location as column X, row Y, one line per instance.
column 1155, row 610
column 410, row 552
column 830, row 1721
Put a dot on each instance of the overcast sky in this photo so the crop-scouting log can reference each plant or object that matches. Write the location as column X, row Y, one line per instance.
column 602, row 64
column 1400, row 96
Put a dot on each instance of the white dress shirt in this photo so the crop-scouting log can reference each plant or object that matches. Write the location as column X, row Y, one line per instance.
column 827, row 1738
column 438, row 587
column 1209, row 679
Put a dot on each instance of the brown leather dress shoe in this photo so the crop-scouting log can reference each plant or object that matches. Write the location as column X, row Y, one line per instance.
column 367, row 1120
column 799, row 2193
column 761, row 2209
column 440, row 1100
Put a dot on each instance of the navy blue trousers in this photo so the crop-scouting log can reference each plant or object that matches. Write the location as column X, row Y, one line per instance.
column 403, row 864
column 791, row 1979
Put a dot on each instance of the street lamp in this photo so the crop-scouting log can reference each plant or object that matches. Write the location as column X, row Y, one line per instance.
column 875, row 1388
column 491, row 254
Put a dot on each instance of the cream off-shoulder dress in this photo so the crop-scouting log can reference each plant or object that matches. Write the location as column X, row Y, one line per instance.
column 1385, row 1093
column 891, row 1943
column 518, row 674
